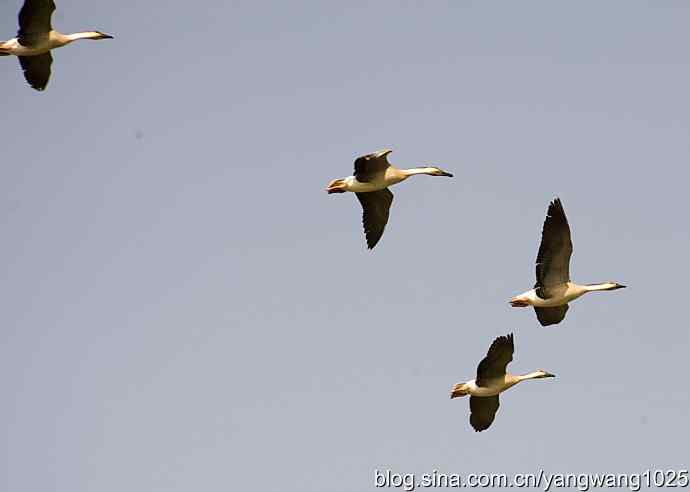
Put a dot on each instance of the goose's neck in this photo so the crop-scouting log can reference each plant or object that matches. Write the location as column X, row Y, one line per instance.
column 602, row 286
column 530, row 375
column 75, row 36
column 417, row 170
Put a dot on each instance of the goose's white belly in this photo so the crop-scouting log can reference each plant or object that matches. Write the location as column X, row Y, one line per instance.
column 359, row 187
column 383, row 181
column 492, row 390
column 13, row 47
column 50, row 41
column 569, row 292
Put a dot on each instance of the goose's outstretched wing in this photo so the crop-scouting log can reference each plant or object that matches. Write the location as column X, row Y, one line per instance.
column 483, row 411
column 493, row 366
column 34, row 21
column 37, row 69
column 553, row 259
column 376, row 207
column 370, row 165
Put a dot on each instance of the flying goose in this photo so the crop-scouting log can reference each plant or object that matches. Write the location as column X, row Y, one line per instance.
column 36, row 38
column 491, row 380
column 373, row 175
column 554, row 290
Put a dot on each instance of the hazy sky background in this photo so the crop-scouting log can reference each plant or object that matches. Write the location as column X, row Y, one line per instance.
column 185, row 308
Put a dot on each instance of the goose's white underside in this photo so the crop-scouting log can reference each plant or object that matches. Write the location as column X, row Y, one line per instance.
column 492, row 390
column 374, row 185
column 562, row 294
column 50, row 42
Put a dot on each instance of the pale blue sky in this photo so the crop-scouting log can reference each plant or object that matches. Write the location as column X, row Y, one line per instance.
column 188, row 310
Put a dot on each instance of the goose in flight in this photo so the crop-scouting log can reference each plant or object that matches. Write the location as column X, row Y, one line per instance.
column 36, row 38
column 554, row 290
column 491, row 380
column 373, row 175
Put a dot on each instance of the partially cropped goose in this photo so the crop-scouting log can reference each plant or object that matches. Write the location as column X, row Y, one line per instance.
column 36, row 38
column 373, row 175
column 554, row 290
column 491, row 380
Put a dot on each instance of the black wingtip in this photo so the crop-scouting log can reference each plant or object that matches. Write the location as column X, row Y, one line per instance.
column 508, row 337
column 555, row 211
column 548, row 322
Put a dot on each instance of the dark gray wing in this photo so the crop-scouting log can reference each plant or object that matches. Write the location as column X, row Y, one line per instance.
column 34, row 21
column 368, row 166
column 493, row 366
column 553, row 259
column 376, row 206
column 37, row 69
column 482, row 411
column 551, row 315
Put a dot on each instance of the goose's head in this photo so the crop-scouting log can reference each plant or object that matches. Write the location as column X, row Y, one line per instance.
column 615, row 286
column 336, row 186
column 437, row 171
column 99, row 35
column 606, row 286
column 541, row 373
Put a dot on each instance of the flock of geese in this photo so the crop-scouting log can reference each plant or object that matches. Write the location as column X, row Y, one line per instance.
column 373, row 175
column 550, row 297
